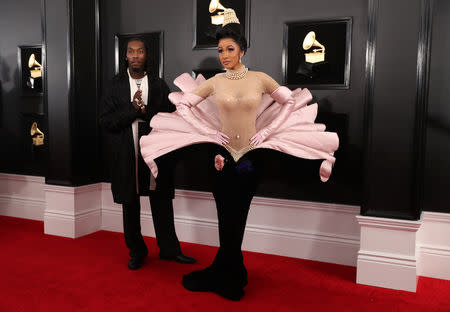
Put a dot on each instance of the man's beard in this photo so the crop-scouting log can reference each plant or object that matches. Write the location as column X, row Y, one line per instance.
column 137, row 70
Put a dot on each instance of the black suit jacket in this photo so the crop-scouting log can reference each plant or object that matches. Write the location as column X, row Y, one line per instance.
column 116, row 118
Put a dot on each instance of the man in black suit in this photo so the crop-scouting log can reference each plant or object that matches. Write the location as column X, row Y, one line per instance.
column 128, row 106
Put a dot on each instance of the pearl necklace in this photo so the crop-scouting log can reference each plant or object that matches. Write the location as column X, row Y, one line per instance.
column 235, row 75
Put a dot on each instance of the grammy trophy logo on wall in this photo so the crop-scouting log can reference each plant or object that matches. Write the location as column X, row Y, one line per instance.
column 317, row 55
column 37, row 136
column 30, row 69
column 35, row 67
column 209, row 15
column 310, row 66
column 215, row 6
column 35, row 70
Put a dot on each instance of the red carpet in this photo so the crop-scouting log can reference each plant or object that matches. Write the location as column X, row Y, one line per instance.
column 47, row 273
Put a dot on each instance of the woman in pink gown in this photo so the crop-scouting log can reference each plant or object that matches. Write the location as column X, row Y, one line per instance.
column 239, row 111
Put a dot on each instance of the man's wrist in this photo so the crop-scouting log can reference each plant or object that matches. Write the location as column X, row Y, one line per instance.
column 141, row 110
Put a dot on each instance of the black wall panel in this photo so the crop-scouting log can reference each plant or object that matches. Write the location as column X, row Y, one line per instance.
column 390, row 159
column 20, row 24
column 387, row 120
column 58, row 86
column 84, row 99
column 437, row 147
column 342, row 110
column 72, row 91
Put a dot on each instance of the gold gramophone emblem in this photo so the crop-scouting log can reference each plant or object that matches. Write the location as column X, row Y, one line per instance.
column 36, row 135
column 317, row 55
column 36, row 68
column 217, row 19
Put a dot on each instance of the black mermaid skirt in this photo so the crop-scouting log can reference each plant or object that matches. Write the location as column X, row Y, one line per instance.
column 234, row 187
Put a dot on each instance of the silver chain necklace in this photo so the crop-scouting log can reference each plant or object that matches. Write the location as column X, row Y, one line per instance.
column 138, row 83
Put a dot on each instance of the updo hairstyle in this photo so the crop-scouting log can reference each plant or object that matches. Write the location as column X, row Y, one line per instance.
column 233, row 31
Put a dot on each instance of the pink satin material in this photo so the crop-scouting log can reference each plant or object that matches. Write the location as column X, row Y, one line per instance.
column 281, row 95
column 298, row 135
column 184, row 106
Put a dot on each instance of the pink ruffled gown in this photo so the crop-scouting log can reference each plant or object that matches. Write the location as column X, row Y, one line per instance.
column 234, row 187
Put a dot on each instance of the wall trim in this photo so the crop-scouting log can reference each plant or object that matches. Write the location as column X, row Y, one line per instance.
column 434, row 245
column 386, row 223
column 269, row 230
column 24, row 178
column 73, row 190
column 72, row 211
column 283, row 203
column 435, row 250
column 429, row 253
column 371, row 48
column 318, row 236
column 388, row 253
column 22, row 196
column 71, row 214
column 436, row 217
column 22, row 207
column 273, row 202
column 389, row 258
column 322, row 244
column 422, row 91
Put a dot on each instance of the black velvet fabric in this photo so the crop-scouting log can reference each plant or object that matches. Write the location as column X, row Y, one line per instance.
column 233, row 190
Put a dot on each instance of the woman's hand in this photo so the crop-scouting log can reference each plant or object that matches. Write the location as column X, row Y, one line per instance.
column 220, row 137
column 283, row 96
column 259, row 137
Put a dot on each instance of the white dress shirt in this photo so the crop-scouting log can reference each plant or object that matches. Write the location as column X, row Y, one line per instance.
column 134, row 126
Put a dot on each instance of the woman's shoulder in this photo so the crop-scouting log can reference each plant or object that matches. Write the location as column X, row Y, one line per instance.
column 205, row 88
column 260, row 74
column 267, row 82
column 209, row 82
column 216, row 79
column 218, row 76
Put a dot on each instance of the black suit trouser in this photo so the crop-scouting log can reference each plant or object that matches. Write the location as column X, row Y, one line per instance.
column 163, row 222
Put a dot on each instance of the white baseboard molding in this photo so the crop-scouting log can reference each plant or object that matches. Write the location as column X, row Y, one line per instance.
column 387, row 270
column 195, row 222
column 387, row 256
column 313, row 246
column 22, row 196
column 72, row 211
column 22, row 207
column 72, row 226
column 435, row 262
column 307, row 230
column 434, row 245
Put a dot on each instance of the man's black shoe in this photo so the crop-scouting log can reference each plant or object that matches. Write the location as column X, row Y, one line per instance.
column 136, row 262
column 180, row 258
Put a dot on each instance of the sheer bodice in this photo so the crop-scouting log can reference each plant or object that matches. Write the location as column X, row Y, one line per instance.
column 298, row 135
column 237, row 103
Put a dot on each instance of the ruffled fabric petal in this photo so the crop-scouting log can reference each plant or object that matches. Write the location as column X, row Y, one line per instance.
column 299, row 135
